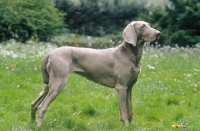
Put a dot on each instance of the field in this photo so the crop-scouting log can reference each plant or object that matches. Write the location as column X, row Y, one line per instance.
column 167, row 93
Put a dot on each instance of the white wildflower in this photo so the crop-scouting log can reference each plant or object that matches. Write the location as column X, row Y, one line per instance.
column 151, row 67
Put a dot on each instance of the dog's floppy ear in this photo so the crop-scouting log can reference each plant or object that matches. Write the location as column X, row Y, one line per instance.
column 129, row 34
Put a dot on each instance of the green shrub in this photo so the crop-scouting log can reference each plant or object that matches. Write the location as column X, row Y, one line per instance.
column 97, row 18
column 28, row 19
column 87, row 41
column 178, row 22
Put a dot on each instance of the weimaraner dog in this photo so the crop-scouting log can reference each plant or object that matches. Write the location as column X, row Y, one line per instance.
column 113, row 67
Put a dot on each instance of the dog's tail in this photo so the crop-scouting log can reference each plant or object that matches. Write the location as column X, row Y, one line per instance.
column 45, row 74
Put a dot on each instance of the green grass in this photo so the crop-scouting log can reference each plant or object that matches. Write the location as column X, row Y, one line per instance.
column 166, row 93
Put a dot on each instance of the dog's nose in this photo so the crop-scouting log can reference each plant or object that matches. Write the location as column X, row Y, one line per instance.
column 158, row 33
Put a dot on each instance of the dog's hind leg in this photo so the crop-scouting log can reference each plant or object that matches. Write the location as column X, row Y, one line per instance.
column 56, row 86
column 38, row 101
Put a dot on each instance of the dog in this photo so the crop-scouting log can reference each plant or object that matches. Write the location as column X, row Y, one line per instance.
column 117, row 68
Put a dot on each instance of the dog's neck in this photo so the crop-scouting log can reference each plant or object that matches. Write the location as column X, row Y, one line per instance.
column 136, row 51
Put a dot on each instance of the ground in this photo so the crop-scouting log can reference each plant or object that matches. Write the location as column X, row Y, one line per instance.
column 167, row 93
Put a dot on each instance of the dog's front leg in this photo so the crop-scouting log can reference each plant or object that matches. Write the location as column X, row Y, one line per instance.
column 122, row 92
column 129, row 103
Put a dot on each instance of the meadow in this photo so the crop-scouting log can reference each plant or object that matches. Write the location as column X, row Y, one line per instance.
column 167, row 93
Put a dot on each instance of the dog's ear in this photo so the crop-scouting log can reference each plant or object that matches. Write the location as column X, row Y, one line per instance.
column 129, row 34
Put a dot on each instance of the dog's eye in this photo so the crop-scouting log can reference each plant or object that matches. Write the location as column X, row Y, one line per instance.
column 143, row 25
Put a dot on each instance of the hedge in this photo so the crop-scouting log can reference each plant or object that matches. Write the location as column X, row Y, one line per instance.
column 29, row 19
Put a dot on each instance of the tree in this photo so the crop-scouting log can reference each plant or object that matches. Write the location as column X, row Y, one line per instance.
column 26, row 19
column 179, row 22
column 96, row 18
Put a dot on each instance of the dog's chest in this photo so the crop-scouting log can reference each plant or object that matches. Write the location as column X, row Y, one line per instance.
column 135, row 70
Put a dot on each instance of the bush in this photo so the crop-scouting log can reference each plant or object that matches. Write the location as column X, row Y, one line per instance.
column 29, row 19
column 87, row 41
column 97, row 18
column 178, row 22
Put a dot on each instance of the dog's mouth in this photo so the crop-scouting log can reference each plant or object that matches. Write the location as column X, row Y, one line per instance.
column 147, row 41
column 157, row 38
column 152, row 40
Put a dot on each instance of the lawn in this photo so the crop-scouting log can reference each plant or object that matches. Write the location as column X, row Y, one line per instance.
column 167, row 93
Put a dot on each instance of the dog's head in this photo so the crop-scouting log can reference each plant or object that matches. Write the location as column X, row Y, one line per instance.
column 140, row 30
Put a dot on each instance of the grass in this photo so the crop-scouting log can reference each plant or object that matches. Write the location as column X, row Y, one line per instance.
column 166, row 93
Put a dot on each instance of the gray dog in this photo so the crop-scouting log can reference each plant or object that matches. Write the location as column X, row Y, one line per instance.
column 113, row 67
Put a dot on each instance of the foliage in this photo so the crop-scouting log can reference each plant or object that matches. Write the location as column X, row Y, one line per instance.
column 28, row 19
column 165, row 94
column 96, row 18
column 87, row 41
column 178, row 22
